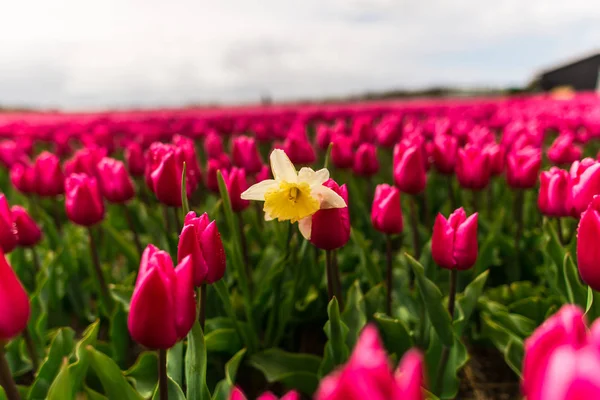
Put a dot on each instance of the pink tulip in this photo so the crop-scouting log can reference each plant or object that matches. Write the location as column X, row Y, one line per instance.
column 473, row 167
column 235, row 181
column 14, row 302
column 584, row 184
column 342, row 152
column 83, row 201
column 134, row 157
column 563, row 151
column 554, row 191
column 454, row 240
column 365, row 160
column 588, row 253
column 49, row 178
column 115, row 183
column 522, row 167
column 409, row 168
column 445, row 153
column 28, row 232
column 8, row 229
column 386, row 212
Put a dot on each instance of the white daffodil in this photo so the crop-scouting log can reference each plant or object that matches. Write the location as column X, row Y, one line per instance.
column 293, row 195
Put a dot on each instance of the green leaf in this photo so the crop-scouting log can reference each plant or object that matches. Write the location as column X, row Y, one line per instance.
column 175, row 360
column 124, row 246
column 395, row 334
column 432, row 297
column 113, row 381
column 223, row 294
column 61, row 346
column 468, row 301
column 119, row 335
column 174, row 391
column 590, row 300
column 576, row 291
column 328, row 155
column 293, row 370
column 185, row 206
column 374, row 299
column 354, row 315
column 61, row 388
column 195, row 364
column 360, row 242
column 224, row 340
column 485, row 255
column 144, row 373
column 78, row 368
column 336, row 350
column 507, row 341
column 225, row 386
column 457, row 359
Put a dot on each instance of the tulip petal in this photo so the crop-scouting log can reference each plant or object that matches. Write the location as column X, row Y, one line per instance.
column 185, row 305
column 14, row 302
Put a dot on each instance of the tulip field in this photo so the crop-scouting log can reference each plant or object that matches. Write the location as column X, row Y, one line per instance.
column 423, row 249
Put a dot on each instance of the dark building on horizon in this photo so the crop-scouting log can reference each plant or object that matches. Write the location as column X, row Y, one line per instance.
column 580, row 74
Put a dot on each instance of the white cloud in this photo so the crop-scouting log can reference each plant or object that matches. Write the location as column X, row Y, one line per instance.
column 107, row 52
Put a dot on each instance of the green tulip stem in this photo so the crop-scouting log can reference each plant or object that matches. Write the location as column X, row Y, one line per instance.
column 334, row 282
column 98, row 271
column 136, row 237
column 451, row 194
column 168, row 222
column 202, row 305
column 31, row 349
column 163, row 389
column 244, row 246
column 389, row 276
column 176, row 219
column 446, row 350
column 518, row 210
column 559, row 230
column 414, row 224
column 330, row 291
column 6, row 378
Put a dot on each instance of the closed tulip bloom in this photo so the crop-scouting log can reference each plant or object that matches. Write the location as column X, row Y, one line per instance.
column 386, row 212
column 14, row 302
column 135, row 159
column 163, row 174
column 85, row 161
column 264, row 174
column 299, row 149
column 522, row 167
column 588, row 252
column 445, row 153
column 409, row 168
column 454, row 240
column 186, row 152
column 495, row 152
column 554, row 191
column 8, row 229
column 584, row 184
column 564, row 151
column 213, row 145
column 163, row 308
column 473, row 168
column 389, row 130
column 212, row 167
column 235, row 180
column 365, row 160
column 328, row 229
column 83, row 201
column 244, row 153
column 115, row 182
column 28, row 232
column 549, row 355
column 367, row 374
column 201, row 240
column 49, row 178
column 237, row 394
column 323, row 136
column 22, row 176
column 342, row 151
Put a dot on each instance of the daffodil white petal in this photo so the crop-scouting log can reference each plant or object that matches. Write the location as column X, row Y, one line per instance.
column 257, row 191
column 322, row 176
column 327, row 197
column 306, row 175
column 282, row 167
column 305, row 226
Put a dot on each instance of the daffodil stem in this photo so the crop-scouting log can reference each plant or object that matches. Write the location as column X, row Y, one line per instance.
column 31, row 349
column 446, row 350
column 6, row 378
column 105, row 294
column 162, row 375
column 202, row 305
column 389, row 282
column 136, row 238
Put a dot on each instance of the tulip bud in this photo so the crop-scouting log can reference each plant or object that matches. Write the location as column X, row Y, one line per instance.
column 291, row 395
column 264, row 174
column 235, row 181
column 496, row 155
column 8, row 230
column 389, row 130
column 386, row 212
column 323, row 136
column 245, row 154
column 445, row 153
column 49, row 178
column 588, row 254
column 523, row 166
column 563, row 151
column 115, row 183
column 14, row 302
column 454, row 241
column 28, row 232
column 365, row 160
column 362, row 131
column 201, row 240
column 85, row 161
column 584, row 184
column 554, row 191
column 163, row 308
column 342, row 153
column 213, row 146
column 564, row 330
column 299, row 149
column 83, row 201
column 134, row 157
column 163, row 174
column 186, row 152
column 22, row 177
column 409, row 167
column 473, row 168
column 328, row 228
column 212, row 167
column 409, row 376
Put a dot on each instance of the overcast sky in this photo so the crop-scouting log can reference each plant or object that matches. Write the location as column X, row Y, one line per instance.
column 97, row 53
